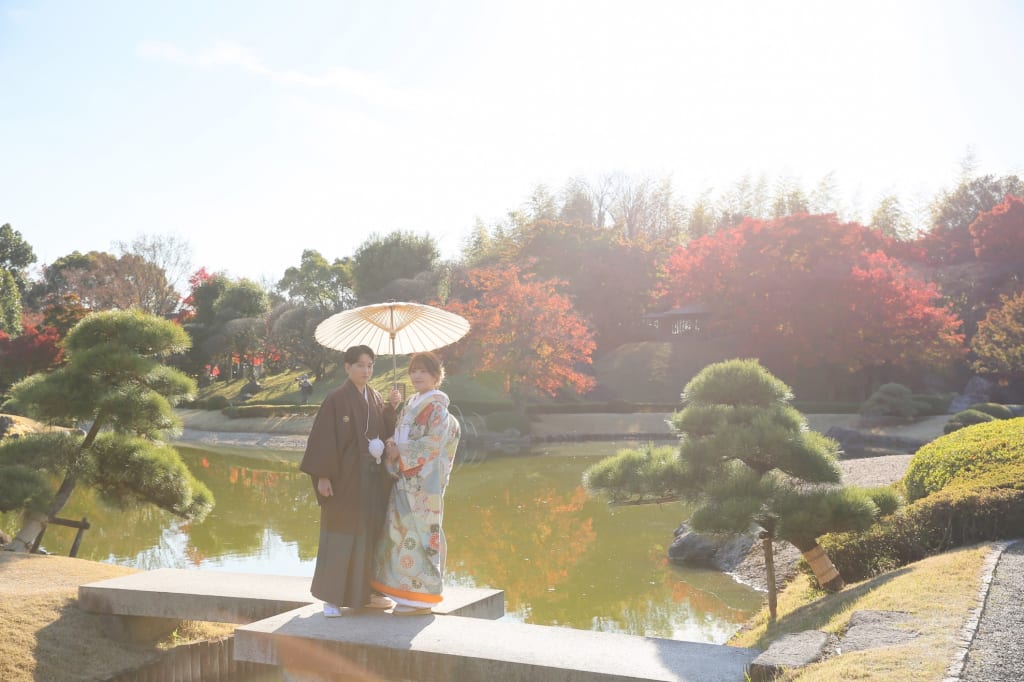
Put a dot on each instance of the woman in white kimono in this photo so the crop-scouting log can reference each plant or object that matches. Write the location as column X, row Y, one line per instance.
column 411, row 550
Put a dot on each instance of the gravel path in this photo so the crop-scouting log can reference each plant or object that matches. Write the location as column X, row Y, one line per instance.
column 872, row 471
column 996, row 654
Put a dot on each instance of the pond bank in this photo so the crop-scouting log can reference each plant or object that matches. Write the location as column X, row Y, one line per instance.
column 206, row 425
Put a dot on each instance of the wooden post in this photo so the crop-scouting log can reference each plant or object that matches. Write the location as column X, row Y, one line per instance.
column 78, row 537
column 769, row 567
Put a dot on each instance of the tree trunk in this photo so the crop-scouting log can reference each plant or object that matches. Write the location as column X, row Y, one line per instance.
column 33, row 525
column 35, row 522
column 769, row 568
column 824, row 571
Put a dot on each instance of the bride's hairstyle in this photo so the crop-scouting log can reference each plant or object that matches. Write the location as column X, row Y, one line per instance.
column 430, row 363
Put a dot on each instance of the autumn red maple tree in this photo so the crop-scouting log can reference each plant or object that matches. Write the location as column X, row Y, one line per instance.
column 525, row 329
column 36, row 350
column 808, row 291
column 998, row 235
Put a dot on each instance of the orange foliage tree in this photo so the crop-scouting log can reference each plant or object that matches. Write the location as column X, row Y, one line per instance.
column 525, row 329
column 807, row 291
column 999, row 343
column 998, row 235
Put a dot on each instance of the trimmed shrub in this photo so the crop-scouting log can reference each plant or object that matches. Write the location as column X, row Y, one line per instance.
column 1006, row 476
column 967, row 452
column 932, row 403
column 892, row 400
column 216, row 402
column 966, row 487
column 966, row 418
column 995, row 409
column 885, row 498
column 955, row 517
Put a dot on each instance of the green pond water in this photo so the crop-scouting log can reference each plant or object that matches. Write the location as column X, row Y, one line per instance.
column 522, row 523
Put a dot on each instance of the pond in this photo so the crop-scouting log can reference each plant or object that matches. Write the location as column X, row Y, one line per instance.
column 522, row 523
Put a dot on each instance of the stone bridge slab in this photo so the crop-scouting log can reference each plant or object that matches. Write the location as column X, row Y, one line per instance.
column 187, row 594
column 373, row 645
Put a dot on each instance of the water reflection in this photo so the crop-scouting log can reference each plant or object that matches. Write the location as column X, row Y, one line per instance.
column 520, row 523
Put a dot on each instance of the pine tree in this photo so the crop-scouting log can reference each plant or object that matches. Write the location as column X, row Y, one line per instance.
column 115, row 382
column 747, row 457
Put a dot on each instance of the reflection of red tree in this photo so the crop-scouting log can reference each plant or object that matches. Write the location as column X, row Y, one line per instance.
column 195, row 556
column 261, row 480
column 700, row 600
column 551, row 531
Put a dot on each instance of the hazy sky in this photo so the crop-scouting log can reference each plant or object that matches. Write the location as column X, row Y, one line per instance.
column 255, row 130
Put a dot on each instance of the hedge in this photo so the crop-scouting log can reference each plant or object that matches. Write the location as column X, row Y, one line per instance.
column 976, row 448
column 995, row 409
column 263, row 411
column 955, row 517
column 966, row 418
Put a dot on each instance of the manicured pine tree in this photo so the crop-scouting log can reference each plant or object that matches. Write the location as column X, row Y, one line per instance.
column 747, row 457
column 116, row 384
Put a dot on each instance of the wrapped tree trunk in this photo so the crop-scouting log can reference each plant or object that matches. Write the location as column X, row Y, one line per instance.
column 824, row 571
column 33, row 525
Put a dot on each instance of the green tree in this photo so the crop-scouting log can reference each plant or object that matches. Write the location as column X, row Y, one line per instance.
column 15, row 255
column 115, row 381
column 399, row 255
column 890, row 219
column 292, row 329
column 239, row 325
column 199, row 319
column 325, row 287
column 10, row 304
column 746, row 457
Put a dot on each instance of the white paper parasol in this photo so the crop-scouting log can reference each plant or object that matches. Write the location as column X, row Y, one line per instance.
column 392, row 328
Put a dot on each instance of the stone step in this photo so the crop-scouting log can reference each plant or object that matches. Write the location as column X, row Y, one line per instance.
column 188, row 594
column 371, row 645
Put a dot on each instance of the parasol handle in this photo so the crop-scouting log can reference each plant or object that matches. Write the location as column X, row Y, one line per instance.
column 394, row 362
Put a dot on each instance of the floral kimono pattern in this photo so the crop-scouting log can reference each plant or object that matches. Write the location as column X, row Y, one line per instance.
column 411, row 551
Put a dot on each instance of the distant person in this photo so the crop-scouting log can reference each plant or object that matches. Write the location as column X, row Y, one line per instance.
column 305, row 388
column 343, row 457
column 412, row 549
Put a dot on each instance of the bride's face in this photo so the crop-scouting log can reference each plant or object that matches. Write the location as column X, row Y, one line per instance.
column 421, row 379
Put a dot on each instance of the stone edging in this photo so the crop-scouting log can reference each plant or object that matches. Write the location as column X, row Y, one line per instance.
column 955, row 670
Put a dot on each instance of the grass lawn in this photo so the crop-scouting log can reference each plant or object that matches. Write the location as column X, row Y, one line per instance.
column 284, row 387
column 937, row 592
column 46, row 638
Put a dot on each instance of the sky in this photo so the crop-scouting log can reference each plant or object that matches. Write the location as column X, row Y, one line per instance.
column 255, row 130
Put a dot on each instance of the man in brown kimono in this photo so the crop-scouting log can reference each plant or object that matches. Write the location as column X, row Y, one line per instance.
column 352, row 486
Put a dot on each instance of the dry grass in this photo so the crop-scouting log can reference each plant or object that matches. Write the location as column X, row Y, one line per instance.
column 22, row 425
column 938, row 593
column 47, row 638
